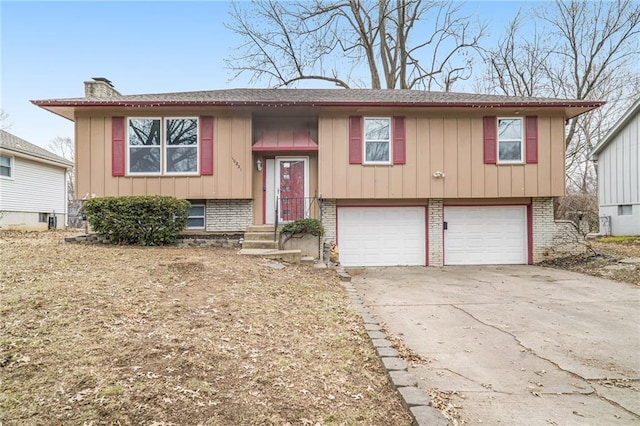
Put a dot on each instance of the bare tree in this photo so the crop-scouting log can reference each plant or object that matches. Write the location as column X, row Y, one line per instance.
column 4, row 120
column 65, row 149
column 397, row 44
column 586, row 50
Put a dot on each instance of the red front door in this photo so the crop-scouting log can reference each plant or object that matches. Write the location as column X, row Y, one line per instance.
column 292, row 201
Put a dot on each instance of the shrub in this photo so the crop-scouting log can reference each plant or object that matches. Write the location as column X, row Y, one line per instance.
column 141, row 220
column 303, row 226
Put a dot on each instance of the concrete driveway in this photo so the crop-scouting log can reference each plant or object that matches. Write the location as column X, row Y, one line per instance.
column 517, row 344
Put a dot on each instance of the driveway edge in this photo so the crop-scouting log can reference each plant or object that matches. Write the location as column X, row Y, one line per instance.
column 417, row 402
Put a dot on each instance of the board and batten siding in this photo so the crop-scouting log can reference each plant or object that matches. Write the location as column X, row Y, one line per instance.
column 618, row 175
column 447, row 143
column 231, row 177
column 35, row 188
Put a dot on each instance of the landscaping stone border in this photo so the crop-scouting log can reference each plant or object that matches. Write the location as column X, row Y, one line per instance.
column 417, row 401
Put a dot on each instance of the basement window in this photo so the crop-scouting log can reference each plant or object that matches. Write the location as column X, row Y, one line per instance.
column 43, row 217
column 195, row 219
column 625, row 210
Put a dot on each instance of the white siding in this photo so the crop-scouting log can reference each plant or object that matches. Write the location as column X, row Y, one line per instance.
column 35, row 187
column 619, row 179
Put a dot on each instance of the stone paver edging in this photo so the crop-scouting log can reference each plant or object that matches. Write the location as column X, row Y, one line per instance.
column 417, row 401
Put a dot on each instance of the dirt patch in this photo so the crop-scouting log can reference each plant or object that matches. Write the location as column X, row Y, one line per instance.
column 614, row 258
column 97, row 334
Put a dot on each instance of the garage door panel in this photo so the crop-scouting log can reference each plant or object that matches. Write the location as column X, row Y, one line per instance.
column 381, row 236
column 485, row 235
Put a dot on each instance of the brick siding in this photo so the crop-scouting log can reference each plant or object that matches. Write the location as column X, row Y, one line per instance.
column 435, row 219
column 228, row 215
column 328, row 215
column 553, row 238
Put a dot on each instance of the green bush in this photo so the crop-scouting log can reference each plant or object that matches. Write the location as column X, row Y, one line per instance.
column 303, row 226
column 141, row 220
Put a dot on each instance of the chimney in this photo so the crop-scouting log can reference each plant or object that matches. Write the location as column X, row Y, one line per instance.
column 100, row 87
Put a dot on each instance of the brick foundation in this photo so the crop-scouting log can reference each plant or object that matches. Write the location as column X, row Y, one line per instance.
column 228, row 215
column 553, row 238
column 328, row 215
column 436, row 237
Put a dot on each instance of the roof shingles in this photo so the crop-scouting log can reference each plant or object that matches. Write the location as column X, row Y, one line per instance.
column 13, row 143
column 318, row 97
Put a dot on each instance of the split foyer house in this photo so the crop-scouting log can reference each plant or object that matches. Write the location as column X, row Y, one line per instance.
column 397, row 177
column 33, row 185
column 617, row 157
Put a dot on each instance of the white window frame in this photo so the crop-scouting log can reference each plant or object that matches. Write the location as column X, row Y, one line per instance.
column 203, row 217
column 522, row 140
column 162, row 147
column 625, row 209
column 11, row 167
column 165, row 146
column 364, row 141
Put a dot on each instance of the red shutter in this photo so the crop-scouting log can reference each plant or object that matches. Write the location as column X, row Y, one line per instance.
column 531, row 132
column 355, row 139
column 206, row 145
column 490, row 140
column 117, row 146
column 399, row 141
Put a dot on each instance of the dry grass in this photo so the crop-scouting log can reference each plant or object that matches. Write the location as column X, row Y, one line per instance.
column 96, row 334
column 606, row 263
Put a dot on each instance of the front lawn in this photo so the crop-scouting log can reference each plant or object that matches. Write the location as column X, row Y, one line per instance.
column 95, row 334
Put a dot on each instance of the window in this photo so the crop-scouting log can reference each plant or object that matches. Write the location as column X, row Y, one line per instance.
column 43, row 217
column 163, row 146
column 195, row 218
column 510, row 140
column 6, row 166
column 377, row 140
column 625, row 209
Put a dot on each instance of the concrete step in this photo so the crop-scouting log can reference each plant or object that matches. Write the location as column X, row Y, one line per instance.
column 260, row 228
column 260, row 244
column 291, row 256
column 259, row 236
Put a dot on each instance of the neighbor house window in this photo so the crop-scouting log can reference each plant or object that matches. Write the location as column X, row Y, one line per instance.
column 43, row 217
column 195, row 219
column 6, row 166
column 510, row 140
column 625, row 209
column 163, row 145
column 377, row 140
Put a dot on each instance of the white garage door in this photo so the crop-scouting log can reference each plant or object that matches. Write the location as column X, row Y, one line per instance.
column 485, row 235
column 381, row 236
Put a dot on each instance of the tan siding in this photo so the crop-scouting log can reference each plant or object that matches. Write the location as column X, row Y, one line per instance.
column 423, row 142
column 477, row 160
column 558, row 171
column 464, row 158
column 451, row 139
column 436, row 151
column 232, row 164
column 517, row 181
column 441, row 142
column 544, row 156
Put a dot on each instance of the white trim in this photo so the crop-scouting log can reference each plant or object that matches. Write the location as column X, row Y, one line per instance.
column 12, row 165
column 364, row 141
column 162, row 147
column 128, row 153
column 203, row 217
column 165, row 145
column 522, row 140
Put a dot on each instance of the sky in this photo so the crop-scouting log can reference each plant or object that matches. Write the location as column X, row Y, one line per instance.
column 48, row 49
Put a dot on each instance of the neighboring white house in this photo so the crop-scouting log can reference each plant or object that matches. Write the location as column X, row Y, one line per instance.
column 33, row 185
column 617, row 157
